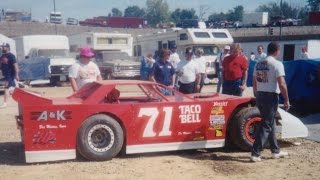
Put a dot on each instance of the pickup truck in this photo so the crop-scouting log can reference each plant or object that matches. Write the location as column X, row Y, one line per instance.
column 117, row 65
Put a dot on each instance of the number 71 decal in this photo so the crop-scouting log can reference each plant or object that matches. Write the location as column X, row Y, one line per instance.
column 153, row 113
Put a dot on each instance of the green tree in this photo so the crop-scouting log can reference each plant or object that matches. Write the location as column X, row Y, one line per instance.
column 116, row 12
column 217, row 17
column 274, row 9
column 134, row 11
column 236, row 14
column 157, row 11
column 175, row 15
column 314, row 5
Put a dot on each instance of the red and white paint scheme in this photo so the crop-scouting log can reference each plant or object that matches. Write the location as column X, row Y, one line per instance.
column 105, row 117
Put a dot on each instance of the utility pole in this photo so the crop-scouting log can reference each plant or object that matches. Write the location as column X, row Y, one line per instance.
column 54, row 10
column 280, row 32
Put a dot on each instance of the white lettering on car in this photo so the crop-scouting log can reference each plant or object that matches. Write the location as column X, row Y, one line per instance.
column 190, row 114
column 58, row 115
column 153, row 113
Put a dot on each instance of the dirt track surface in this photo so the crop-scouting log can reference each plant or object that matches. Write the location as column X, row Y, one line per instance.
column 303, row 162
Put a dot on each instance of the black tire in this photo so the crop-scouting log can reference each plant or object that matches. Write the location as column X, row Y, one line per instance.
column 244, row 126
column 100, row 138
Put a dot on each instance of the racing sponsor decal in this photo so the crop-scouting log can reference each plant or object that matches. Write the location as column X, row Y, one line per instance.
column 48, row 126
column 190, row 114
column 216, row 127
column 198, row 138
column 218, row 132
column 60, row 115
column 217, row 110
column 44, row 138
column 222, row 103
column 217, row 120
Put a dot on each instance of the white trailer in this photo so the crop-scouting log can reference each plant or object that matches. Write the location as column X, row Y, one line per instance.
column 211, row 40
column 47, row 51
column 289, row 50
column 255, row 19
column 101, row 42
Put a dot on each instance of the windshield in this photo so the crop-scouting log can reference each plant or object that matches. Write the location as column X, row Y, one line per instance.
column 54, row 53
column 208, row 50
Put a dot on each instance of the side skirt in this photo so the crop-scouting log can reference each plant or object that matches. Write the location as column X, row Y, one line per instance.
column 50, row 155
column 131, row 149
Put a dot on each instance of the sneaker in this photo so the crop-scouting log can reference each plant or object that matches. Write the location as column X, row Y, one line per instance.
column 255, row 158
column 281, row 154
column 3, row 105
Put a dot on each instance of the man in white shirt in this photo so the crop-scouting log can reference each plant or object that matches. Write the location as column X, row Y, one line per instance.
column 304, row 54
column 268, row 83
column 202, row 66
column 174, row 58
column 84, row 70
column 261, row 55
column 188, row 72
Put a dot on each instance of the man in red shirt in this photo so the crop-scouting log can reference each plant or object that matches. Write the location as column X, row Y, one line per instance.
column 235, row 72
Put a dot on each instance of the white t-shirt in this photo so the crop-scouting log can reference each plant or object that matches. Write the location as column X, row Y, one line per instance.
column 84, row 73
column 187, row 71
column 201, row 63
column 267, row 71
column 174, row 59
column 260, row 57
column 304, row 56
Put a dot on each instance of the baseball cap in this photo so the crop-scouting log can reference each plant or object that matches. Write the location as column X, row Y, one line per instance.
column 6, row 45
column 86, row 52
column 227, row 47
column 189, row 50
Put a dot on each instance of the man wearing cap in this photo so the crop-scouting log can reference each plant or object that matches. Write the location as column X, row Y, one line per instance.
column 218, row 64
column 10, row 71
column 84, row 71
column 162, row 71
column 189, row 74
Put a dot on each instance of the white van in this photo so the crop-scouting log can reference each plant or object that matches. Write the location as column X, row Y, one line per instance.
column 211, row 40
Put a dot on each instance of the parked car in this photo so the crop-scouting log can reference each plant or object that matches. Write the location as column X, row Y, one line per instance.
column 72, row 21
column 106, row 117
column 118, row 65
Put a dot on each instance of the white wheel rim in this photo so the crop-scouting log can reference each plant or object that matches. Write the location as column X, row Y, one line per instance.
column 101, row 134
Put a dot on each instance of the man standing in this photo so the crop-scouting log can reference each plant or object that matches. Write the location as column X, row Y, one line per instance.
column 261, row 55
column 84, row 70
column 268, row 82
column 304, row 53
column 146, row 66
column 202, row 66
column 162, row 71
column 218, row 64
column 189, row 74
column 10, row 71
column 174, row 58
column 235, row 72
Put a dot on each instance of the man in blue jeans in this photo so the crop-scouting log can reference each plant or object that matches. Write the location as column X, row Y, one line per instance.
column 268, row 82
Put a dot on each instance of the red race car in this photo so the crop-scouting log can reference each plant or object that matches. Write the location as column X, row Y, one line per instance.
column 105, row 117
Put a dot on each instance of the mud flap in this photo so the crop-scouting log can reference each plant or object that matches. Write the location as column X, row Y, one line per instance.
column 292, row 126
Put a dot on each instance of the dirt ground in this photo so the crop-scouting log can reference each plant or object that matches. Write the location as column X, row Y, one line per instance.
column 303, row 162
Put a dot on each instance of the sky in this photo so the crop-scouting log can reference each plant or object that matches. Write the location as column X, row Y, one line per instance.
column 82, row 9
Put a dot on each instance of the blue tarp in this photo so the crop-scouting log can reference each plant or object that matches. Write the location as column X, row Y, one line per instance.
column 34, row 69
column 303, row 82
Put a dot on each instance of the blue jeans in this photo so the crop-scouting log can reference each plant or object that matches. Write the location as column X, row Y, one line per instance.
column 267, row 103
column 232, row 87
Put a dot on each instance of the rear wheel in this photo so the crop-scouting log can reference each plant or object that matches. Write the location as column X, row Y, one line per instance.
column 100, row 138
column 244, row 127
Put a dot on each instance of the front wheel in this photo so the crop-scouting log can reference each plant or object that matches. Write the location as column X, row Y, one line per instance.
column 100, row 137
column 244, row 127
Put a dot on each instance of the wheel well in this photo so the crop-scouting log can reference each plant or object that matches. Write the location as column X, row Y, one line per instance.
column 234, row 112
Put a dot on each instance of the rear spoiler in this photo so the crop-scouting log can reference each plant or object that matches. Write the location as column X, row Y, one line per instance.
column 28, row 98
